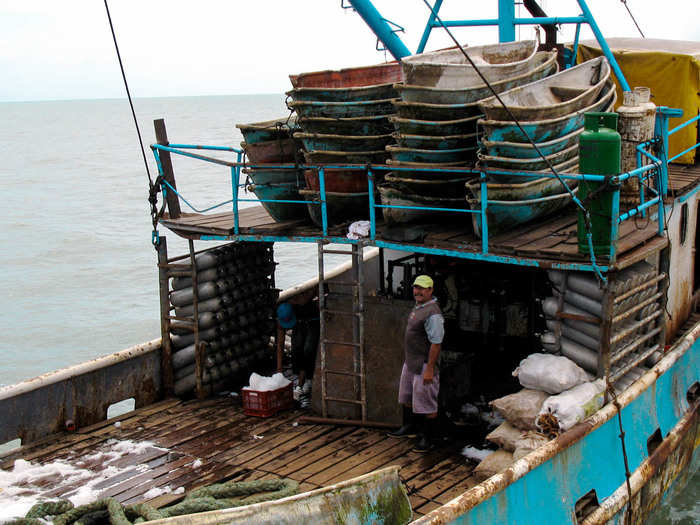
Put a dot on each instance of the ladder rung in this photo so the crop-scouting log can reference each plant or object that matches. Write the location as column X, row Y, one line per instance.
column 182, row 321
column 179, row 273
column 342, row 372
column 338, row 252
column 177, row 267
column 343, row 343
column 343, row 400
column 341, row 312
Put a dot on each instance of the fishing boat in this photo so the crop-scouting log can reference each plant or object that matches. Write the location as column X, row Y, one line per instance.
column 561, row 94
column 402, row 154
column 548, row 129
column 617, row 295
column 520, row 191
column 411, row 203
column 271, row 185
column 348, row 143
column 543, row 65
column 438, row 128
column 451, row 69
column 526, row 150
column 349, row 77
column 372, row 125
column 434, row 142
column 280, row 128
column 439, row 187
column 529, row 163
column 344, row 94
column 361, row 108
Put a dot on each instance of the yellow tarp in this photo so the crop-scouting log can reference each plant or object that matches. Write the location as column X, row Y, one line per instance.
column 670, row 68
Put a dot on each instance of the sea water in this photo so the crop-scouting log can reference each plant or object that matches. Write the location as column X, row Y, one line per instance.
column 79, row 277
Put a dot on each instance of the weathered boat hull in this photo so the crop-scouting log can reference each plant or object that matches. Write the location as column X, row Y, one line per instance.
column 550, row 129
column 528, row 164
column 402, row 154
column 391, row 196
column 505, row 177
column 450, row 69
column 346, row 157
column 525, row 150
column 344, row 94
column 566, row 92
column 439, row 128
column 435, row 142
column 340, row 207
column 377, row 497
column 271, row 151
column 425, row 170
column 275, row 129
column 447, row 187
column 503, row 215
column 372, row 125
column 533, row 189
column 364, row 108
column 339, row 181
column 349, row 77
column 279, row 184
column 544, row 64
column 424, row 111
column 348, row 143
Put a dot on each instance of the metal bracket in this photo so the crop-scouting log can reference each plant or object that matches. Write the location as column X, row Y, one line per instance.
column 397, row 29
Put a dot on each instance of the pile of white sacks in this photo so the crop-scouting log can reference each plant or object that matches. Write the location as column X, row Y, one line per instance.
column 556, row 395
column 265, row 384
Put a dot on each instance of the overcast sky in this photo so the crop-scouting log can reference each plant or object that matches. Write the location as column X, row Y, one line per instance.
column 63, row 49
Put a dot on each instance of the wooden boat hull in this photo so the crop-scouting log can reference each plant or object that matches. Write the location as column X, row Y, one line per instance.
column 363, row 108
column 349, row 77
column 423, row 111
column 344, row 94
column 340, row 207
column 402, row 154
column 425, row 170
column 517, row 191
column 546, row 130
column 275, row 129
column 525, row 150
column 567, row 166
column 372, row 125
column 446, row 187
column 506, row 214
column 346, row 157
column 544, row 64
column 348, row 143
column 271, row 151
column 561, row 94
column 442, row 128
column 435, row 142
column 450, row 69
column 279, row 184
column 528, row 164
column 340, row 181
column 391, row 196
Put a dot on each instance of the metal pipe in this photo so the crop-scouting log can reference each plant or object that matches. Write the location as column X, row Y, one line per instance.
column 381, row 28
column 639, row 288
column 429, row 26
column 636, row 308
column 633, row 346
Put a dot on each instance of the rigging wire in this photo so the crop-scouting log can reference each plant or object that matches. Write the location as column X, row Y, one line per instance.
column 632, row 17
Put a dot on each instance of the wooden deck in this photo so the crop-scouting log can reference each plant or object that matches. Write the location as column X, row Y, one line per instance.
column 227, row 445
column 551, row 240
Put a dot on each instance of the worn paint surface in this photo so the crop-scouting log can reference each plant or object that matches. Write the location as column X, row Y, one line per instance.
column 590, row 459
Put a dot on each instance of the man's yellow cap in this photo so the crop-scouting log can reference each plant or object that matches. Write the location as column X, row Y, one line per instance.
column 423, row 281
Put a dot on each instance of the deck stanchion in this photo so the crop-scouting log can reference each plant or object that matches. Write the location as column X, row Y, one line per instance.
column 322, row 196
column 484, row 220
column 235, row 180
column 614, row 223
column 166, row 362
column 372, row 209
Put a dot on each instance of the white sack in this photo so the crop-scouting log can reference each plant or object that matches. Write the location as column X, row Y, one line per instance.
column 521, row 409
column 264, row 384
column 527, row 443
column 575, row 405
column 551, row 373
column 505, row 436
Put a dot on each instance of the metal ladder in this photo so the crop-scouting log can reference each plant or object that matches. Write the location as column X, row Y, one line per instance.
column 357, row 316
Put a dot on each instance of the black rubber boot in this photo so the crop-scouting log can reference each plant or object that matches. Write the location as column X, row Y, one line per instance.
column 425, row 441
column 408, row 429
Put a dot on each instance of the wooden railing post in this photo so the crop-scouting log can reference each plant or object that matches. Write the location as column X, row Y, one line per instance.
column 167, row 165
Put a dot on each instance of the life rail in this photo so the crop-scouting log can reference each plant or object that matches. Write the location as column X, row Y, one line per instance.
column 651, row 173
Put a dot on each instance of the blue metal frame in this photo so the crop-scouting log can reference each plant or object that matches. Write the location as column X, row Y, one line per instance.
column 658, row 168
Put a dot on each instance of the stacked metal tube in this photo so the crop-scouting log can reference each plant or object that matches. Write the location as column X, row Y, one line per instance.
column 236, row 298
column 574, row 311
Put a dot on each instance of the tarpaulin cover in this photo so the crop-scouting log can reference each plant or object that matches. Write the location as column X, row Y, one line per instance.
column 670, row 68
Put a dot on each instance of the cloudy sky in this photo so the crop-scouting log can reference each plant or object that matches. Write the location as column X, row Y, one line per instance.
column 63, row 49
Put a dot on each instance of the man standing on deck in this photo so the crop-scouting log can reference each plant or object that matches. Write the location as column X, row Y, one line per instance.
column 420, row 378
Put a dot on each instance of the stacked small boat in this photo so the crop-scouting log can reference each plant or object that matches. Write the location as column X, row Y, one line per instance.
column 271, row 142
column 343, row 118
column 235, row 315
column 550, row 111
column 436, row 121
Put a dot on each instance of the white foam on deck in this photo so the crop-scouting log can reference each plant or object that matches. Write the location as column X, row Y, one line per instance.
column 81, row 479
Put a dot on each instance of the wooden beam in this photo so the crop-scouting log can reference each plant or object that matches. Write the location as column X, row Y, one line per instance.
column 167, row 165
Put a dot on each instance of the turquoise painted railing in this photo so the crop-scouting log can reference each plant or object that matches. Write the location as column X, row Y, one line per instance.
column 655, row 172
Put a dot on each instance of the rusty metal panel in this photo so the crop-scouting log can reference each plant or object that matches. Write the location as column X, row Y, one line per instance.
column 41, row 406
column 385, row 322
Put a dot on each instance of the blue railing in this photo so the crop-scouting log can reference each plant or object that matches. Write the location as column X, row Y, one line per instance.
column 651, row 174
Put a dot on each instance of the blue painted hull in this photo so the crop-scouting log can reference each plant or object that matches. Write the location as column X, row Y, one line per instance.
column 591, row 458
column 276, row 129
column 323, row 142
column 431, row 155
column 435, row 142
column 280, row 184
column 519, row 150
column 348, row 94
column 364, row 108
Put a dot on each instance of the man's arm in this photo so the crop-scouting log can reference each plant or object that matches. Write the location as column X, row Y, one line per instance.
column 281, row 333
column 433, row 355
column 435, row 330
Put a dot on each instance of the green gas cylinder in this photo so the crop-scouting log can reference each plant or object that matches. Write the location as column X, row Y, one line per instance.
column 599, row 154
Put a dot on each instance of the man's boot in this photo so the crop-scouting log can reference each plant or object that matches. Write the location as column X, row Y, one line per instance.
column 408, row 429
column 425, row 441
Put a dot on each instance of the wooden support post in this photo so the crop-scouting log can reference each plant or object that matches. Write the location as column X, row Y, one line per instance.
column 166, row 362
column 167, row 165
column 198, row 345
